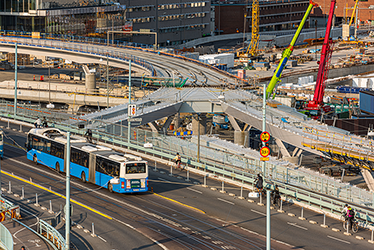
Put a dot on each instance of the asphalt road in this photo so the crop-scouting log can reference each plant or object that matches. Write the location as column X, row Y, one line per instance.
column 179, row 215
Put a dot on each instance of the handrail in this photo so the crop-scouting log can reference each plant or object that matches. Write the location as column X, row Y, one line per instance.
column 57, row 243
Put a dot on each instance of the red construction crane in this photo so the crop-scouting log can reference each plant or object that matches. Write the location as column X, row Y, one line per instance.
column 317, row 104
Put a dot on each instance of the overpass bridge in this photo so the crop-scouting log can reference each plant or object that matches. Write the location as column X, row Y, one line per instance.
column 282, row 122
column 285, row 124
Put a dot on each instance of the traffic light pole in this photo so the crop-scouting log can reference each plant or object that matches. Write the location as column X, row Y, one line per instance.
column 268, row 243
column 128, row 106
column 67, row 206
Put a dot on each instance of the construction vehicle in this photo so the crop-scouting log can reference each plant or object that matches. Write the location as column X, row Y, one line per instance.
column 316, row 106
column 252, row 50
column 287, row 53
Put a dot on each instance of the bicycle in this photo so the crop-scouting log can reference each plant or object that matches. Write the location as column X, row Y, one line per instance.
column 177, row 164
column 276, row 202
column 354, row 226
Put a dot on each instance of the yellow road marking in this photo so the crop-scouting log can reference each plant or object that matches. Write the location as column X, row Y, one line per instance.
column 180, row 203
column 57, row 194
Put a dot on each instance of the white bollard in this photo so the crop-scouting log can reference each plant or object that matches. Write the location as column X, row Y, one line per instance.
column 205, row 181
column 8, row 125
column 171, row 170
column 302, row 214
column 372, row 235
column 20, row 128
column 241, row 191
column 50, row 207
column 347, row 227
column 188, row 175
column 30, row 179
column 223, row 188
column 93, row 230
column 36, row 201
column 10, row 188
column 23, row 193
column 155, row 167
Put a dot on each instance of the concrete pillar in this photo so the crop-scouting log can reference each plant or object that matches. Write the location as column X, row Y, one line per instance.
column 91, row 82
column 196, row 124
column 176, row 121
column 241, row 138
column 32, row 24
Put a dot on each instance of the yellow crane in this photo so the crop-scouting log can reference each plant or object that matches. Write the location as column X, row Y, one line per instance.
column 252, row 49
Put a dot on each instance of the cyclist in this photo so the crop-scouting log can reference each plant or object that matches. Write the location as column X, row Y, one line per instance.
column 344, row 212
column 88, row 135
column 178, row 160
column 259, row 183
column 350, row 216
column 275, row 194
column 44, row 123
column 37, row 123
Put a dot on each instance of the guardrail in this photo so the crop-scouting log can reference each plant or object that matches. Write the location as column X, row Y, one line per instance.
column 80, row 48
column 314, row 190
column 46, row 231
column 6, row 238
column 84, row 48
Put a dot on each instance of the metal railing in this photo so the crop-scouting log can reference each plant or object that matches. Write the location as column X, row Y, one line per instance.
column 310, row 188
column 80, row 48
column 6, row 238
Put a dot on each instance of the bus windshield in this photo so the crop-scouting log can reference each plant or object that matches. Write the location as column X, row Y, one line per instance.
column 135, row 168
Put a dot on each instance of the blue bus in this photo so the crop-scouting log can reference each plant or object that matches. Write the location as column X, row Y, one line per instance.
column 121, row 173
column 1, row 144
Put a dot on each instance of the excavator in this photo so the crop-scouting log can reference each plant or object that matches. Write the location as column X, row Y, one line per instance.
column 316, row 107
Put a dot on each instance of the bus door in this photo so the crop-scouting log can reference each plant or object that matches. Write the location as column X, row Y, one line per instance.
column 92, row 168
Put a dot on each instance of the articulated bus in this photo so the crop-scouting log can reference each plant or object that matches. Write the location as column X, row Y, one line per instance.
column 122, row 173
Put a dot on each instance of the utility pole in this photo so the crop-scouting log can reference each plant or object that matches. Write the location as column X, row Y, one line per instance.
column 315, row 24
column 15, row 82
column 107, row 80
column 128, row 119
column 67, row 205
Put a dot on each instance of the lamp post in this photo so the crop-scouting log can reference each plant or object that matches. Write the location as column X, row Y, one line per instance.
column 315, row 24
column 107, row 80
column 15, row 82
column 128, row 120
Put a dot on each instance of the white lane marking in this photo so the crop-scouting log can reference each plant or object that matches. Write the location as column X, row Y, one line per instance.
column 344, row 241
column 103, row 195
column 162, row 179
column 257, row 212
column 197, row 191
column 232, row 203
column 101, row 238
column 295, row 225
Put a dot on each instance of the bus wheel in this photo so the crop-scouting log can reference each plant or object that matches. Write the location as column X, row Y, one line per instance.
column 35, row 159
column 83, row 177
column 110, row 187
column 57, row 167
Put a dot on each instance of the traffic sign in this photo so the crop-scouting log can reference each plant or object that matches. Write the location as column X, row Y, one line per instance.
column 135, row 119
column 264, row 158
column 132, row 110
column 265, row 136
column 264, row 151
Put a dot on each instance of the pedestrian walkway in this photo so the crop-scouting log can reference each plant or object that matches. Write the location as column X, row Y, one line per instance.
column 22, row 236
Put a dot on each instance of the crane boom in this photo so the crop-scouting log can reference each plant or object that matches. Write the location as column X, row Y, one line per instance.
column 287, row 53
column 353, row 13
column 255, row 28
column 324, row 63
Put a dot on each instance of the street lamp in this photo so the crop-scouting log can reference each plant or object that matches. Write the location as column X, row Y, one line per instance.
column 49, row 105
